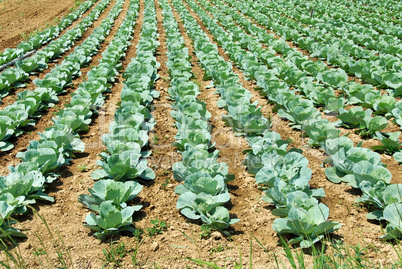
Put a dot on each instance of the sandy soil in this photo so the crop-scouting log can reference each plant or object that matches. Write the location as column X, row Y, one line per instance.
column 62, row 236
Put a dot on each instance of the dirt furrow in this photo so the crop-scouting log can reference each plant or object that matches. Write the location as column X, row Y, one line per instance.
column 66, row 236
column 339, row 198
column 392, row 165
column 29, row 85
column 66, row 215
column 245, row 202
column 19, row 18
column 31, row 132
column 79, row 18
column 158, row 197
column 305, row 52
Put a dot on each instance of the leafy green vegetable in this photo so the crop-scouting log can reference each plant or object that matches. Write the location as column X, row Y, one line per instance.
column 389, row 141
column 109, row 190
column 207, row 208
column 393, row 214
column 110, row 220
column 310, row 225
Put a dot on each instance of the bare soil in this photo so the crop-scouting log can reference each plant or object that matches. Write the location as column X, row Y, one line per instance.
column 60, row 233
column 18, row 18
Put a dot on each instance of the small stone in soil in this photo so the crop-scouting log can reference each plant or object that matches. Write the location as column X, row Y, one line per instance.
column 155, row 246
column 216, row 235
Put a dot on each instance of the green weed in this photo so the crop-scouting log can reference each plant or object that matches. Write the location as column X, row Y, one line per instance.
column 83, row 167
column 115, row 255
column 157, row 228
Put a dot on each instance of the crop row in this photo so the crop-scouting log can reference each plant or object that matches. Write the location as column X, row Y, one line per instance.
column 359, row 167
column 340, row 14
column 27, row 181
column 305, row 76
column 43, row 37
column 15, row 77
column 281, row 172
column 374, row 12
column 28, row 103
column 124, row 163
column 270, row 164
column 357, row 34
column 313, row 79
column 381, row 71
column 204, row 190
column 296, row 70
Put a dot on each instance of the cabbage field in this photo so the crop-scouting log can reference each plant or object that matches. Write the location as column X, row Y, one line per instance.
column 201, row 134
